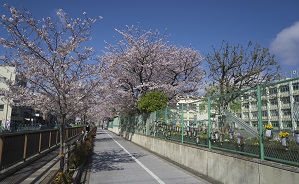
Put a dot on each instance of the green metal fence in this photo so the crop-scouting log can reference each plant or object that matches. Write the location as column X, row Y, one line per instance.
column 261, row 122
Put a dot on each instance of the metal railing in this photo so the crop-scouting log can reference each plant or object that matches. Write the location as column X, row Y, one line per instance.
column 20, row 128
column 70, row 154
column 18, row 147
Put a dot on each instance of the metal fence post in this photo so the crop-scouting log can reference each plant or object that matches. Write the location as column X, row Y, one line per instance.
column 182, row 122
column 155, row 122
column 209, row 122
column 262, row 154
column 1, row 150
column 166, row 116
column 147, row 124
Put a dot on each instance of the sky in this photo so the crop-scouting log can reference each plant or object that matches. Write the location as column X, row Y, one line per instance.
column 200, row 23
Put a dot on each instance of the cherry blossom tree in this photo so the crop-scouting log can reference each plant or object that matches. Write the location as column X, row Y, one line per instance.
column 144, row 60
column 51, row 56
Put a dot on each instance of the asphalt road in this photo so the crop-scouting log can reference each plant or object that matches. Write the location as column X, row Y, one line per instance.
column 116, row 160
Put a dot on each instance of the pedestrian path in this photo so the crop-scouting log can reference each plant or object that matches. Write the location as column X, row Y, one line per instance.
column 32, row 172
column 117, row 160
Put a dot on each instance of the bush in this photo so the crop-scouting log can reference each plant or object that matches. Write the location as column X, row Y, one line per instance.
column 80, row 154
column 153, row 101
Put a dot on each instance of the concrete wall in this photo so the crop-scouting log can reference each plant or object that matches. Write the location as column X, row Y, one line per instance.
column 114, row 129
column 227, row 168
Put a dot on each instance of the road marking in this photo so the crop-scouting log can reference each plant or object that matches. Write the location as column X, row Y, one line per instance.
column 138, row 162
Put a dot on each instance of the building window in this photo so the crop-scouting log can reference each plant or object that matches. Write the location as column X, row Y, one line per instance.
column 254, row 104
column 254, row 114
column 3, row 79
column 246, row 105
column 1, row 107
column 286, row 112
column 254, row 123
column 285, row 100
column 264, row 103
column 264, row 113
column 275, row 123
column 238, row 115
column 287, row 124
column 284, row 88
column 272, row 91
column 192, row 105
column 274, row 112
column 245, row 96
column 254, row 94
column 15, row 111
column 246, row 114
column 264, row 92
column 296, row 98
column 296, row 86
column 273, row 101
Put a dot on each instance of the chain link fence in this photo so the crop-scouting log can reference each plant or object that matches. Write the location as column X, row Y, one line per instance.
column 261, row 122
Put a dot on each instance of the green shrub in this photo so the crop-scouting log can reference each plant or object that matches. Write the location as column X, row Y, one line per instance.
column 81, row 153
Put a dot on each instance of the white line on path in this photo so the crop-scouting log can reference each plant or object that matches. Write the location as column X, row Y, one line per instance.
column 138, row 162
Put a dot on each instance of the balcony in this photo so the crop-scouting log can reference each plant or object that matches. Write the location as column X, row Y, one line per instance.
column 274, row 118
column 273, row 107
column 285, row 94
column 272, row 95
column 286, row 118
column 245, row 110
column 264, row 107
column 296, row 92
column 254, row 108
column 285, row 106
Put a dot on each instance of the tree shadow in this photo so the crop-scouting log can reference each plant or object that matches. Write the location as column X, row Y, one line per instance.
column 100, row 132
column 108, row 139
column 112, row 160
column 129, row 125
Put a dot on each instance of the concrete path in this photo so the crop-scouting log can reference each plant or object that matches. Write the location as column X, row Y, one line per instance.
column 117, row 160
column 32, row 172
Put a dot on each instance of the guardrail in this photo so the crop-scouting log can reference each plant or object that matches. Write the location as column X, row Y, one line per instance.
column 71, row 150
column 18, row 147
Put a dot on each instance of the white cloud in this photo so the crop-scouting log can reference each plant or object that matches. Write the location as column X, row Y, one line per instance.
column 286, row 45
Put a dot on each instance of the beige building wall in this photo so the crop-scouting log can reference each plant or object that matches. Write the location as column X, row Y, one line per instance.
column 278, row 108
column 6, row 73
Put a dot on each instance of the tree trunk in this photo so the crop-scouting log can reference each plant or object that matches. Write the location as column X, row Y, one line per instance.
column 62, row 143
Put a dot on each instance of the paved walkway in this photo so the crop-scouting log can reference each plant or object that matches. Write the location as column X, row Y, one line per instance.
column 117, row 160
column 32, row 172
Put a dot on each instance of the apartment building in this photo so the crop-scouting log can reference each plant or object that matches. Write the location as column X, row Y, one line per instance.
column 13, row 116
column 6, row 73
column 195, row 111
column 280, row 106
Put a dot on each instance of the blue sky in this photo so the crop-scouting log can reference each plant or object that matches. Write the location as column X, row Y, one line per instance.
column 199, row 23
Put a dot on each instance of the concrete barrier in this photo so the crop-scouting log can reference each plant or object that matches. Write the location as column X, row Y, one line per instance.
column 223, row 167
column 115, row 129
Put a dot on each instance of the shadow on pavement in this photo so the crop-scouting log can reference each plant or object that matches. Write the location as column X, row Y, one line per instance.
column 106, row 139
column 100, row 132
column 111, row 160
